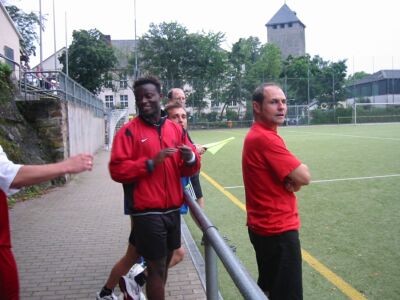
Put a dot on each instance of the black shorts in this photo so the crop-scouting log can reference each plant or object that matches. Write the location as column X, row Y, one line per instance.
column 195, row 180
column 132, row 235
column 279, row 264
column 156, row 235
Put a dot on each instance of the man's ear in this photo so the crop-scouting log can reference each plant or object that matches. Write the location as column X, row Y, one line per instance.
column 256, row 107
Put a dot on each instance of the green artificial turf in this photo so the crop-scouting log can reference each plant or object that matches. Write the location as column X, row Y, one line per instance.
column 351, row 226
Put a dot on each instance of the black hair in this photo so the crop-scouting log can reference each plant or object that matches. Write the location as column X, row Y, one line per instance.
column 258, row 94
column 146, row 80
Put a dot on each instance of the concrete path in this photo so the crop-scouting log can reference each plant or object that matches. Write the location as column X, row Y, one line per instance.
column 67, row 241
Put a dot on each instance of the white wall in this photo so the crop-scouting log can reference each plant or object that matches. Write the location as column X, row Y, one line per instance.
column 8, row 37
column 86, row 131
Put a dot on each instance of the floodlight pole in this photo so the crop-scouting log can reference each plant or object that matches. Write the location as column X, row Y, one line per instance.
column 308, row 92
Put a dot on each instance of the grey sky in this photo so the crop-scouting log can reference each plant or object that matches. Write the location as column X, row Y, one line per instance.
column 365, row 33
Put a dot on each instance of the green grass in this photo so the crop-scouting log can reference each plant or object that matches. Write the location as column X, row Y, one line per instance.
column 352, row 226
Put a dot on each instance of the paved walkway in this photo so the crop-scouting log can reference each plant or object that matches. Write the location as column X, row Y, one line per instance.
column 67, row 241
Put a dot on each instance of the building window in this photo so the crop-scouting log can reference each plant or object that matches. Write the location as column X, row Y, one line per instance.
column 123, row 84
column 290, row 24
column 282, row 25
column 274, row 26
column 108, row 84
column 110, row 101
column 123, row 100
column 9, row 53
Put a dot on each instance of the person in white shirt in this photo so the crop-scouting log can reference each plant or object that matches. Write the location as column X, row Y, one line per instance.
column 13, row 177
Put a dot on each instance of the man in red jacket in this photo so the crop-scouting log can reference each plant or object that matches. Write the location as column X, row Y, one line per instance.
column 149, row 156
column 271, row 175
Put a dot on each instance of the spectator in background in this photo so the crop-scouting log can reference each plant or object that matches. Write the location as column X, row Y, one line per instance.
column 177, row 114
column 271, row 175
column 176, row 94
column 13, row 177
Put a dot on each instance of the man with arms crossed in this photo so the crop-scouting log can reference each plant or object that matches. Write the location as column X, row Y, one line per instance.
column 271, row 175
column 149, row 155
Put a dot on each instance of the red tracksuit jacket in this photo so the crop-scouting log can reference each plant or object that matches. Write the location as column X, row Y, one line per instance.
column 148, row 188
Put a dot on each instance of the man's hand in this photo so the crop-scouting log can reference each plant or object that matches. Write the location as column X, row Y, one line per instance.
column 186, row 152
column 33, row 174
column 200, row 149
column 163, row 154
column 290, row 185
column 78, row 163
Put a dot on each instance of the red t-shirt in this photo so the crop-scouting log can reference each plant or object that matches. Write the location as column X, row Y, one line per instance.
column 9, row 285
column 266, row 162
column 5, row 240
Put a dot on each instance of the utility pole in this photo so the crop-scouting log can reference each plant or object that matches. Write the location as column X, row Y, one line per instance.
column 66, row 46
column 55, row 44
column 40, row 35
column 136, row 56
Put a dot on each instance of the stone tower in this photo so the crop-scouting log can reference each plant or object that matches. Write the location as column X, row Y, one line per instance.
column 287, row 32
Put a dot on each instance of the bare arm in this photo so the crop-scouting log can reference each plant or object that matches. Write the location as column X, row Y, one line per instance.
column 33, row 174
column 297, row 178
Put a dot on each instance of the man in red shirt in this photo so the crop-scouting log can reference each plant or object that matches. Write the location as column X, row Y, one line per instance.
column 271, row 175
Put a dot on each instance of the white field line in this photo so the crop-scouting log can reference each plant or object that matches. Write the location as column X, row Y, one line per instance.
column 318, row 133
column 347, row 135
column 331, row 180
column 232, row 131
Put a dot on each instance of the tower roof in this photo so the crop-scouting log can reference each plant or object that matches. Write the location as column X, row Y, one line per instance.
column 283, row 16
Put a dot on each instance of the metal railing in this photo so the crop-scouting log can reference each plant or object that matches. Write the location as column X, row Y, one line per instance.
column 215, row 246
column 55, row 84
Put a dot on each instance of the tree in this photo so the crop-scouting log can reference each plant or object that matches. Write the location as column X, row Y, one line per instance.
column 305, row 79
column 206, row 67
column 357, row 76
column 251, row 63
column 294, row 75
column 163, row 52
column 90, row 59
column 178, row 57
column 242, row 58
column 27, row 25
column 267, row 67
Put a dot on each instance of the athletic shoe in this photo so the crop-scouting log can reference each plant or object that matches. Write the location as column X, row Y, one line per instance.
column 107, row 297
column 131, row 284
